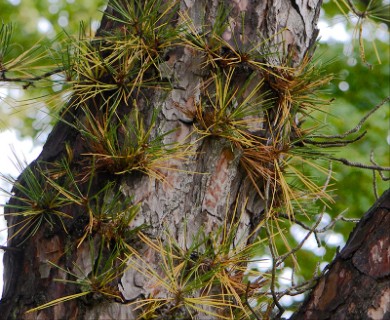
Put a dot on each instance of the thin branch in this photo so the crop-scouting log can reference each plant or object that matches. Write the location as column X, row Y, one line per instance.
column 292, row 276
column 327, row 181
column 316, row 231
column 374, row 185
column 358, row 13
column 303, row 287
column 300, row 288
column 248, row 304
column 292, row 219
column 4, row 78
column 359, row 165
column 304, row 226
column 333, row 222
column 380, row 172
column 273, row 254
column 358, row 126
column 299, row 246
column 335, row 143
column 12, row 249
column 273, row 274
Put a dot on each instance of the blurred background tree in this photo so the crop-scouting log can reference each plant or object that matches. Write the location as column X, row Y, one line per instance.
column 361, row 81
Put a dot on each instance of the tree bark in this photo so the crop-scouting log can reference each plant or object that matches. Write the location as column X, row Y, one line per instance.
column 195, row 194
column 357, row 283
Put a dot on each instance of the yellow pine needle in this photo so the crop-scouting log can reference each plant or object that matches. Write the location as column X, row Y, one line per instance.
column 58, row 301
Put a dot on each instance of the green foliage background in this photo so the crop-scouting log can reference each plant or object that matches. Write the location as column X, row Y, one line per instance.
column 353, row 191
column 25, row 16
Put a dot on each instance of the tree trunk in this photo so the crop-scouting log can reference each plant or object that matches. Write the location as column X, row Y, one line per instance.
column 198, row 203
column 356, row 285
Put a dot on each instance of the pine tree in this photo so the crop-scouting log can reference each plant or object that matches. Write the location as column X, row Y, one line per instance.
column 179, row 152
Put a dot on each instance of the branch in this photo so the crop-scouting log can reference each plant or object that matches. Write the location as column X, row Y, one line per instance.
column 11, row 249
column 358, row 13
column 273, row 274
column 359, row 165
column 273, row 254
column 380, row 172
column 29, row 81
column 357, row 127
column 334, row 143
column 282, row 258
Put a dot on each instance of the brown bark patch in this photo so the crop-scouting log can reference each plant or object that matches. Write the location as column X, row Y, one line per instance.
column 217, row 184
column 357, row 285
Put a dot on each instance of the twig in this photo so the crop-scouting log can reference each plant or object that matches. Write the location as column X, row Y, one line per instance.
column 324, row 229
column 304, row 226
column 358, row 13
column 335, row 143
column 303, row 287
column 299, row 246
column 3, row 77
column 12, row 249
column 316, row 231
column 333, row 222
column 292, row 219
column 359, row 165
column 358, row 126
column 300, row 288
column 380, row 172
column 273, row 255
column 374, row 185
column 292, row 276
column 327, row 181
column 273, row 274
column 248, row 304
